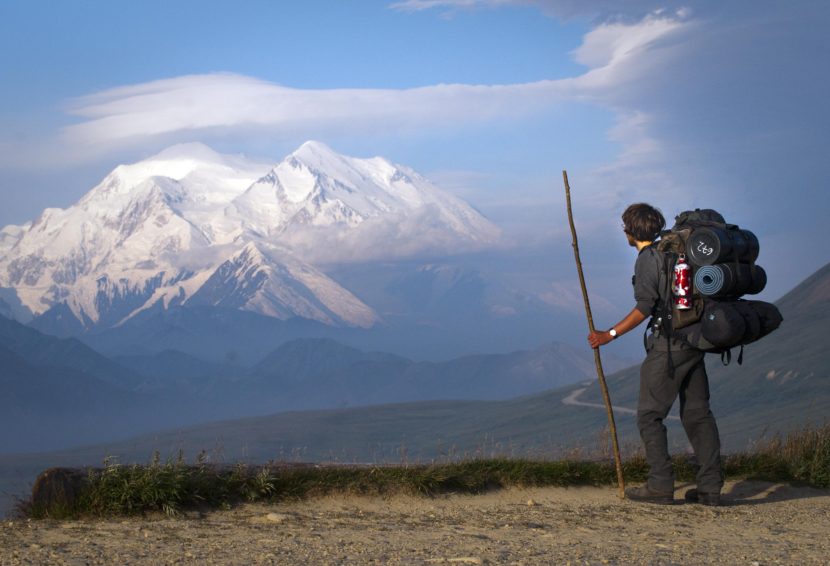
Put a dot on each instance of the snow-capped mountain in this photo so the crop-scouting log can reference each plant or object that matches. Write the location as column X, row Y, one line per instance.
column 190, row 225
column 316, row 187
column 282, row 288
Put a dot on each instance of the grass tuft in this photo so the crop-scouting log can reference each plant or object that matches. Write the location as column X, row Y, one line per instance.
column 173, row 486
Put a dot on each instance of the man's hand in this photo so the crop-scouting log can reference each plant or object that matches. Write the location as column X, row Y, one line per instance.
column 602, row 337
column 599, row 338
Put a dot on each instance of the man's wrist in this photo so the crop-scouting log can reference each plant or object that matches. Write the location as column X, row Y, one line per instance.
column 613, row 333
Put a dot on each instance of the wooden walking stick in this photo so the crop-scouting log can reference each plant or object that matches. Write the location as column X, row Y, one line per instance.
column 603, row 386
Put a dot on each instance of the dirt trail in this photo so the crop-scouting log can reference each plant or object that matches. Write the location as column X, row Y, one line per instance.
column 573, row 399
column 761, row 524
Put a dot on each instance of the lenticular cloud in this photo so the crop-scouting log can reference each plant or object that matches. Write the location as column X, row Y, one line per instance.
column 217, row 101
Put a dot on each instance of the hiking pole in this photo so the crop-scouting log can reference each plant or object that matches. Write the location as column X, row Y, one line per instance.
column 603, row 386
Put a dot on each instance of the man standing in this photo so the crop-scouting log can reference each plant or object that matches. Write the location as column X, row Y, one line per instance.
column 671, row 368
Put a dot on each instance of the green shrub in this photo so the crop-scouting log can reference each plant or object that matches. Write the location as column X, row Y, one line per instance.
column 173, row 486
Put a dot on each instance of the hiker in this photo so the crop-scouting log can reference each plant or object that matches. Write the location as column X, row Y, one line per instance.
column 671, row 368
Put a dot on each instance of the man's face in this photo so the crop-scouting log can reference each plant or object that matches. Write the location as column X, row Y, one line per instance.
column 631, row 241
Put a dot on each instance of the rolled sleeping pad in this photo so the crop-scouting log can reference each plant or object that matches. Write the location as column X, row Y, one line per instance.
column 730, row 280
column 759, row 280
column 709, row 245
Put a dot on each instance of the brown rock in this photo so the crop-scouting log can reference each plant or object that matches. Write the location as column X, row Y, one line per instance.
column 57, row 488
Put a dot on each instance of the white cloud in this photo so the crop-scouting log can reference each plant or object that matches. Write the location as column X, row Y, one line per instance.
column 608, row 43
column 554, row 8
column 224, row 102
column 182, row 107
column 387, row 237
column 622, row 58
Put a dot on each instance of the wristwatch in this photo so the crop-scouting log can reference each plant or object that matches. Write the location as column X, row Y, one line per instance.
column 613, row 332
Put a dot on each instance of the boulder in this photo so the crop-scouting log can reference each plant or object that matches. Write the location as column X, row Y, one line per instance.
column 57, row 488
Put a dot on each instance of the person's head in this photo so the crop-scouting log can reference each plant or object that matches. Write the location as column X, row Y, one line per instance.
column 642, row 223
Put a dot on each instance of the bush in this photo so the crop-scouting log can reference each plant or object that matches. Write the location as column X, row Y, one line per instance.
column 170, row 487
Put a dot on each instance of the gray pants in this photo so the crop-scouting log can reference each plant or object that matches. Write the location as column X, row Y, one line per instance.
column 659, row 387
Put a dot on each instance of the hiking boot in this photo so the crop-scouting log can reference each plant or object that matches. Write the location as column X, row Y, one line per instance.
column 645, row 494
column 695, row 496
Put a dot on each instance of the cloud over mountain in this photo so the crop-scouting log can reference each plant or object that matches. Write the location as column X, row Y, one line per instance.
column 128, row 116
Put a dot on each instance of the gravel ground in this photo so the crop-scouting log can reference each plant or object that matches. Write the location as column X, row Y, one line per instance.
column 760, row 523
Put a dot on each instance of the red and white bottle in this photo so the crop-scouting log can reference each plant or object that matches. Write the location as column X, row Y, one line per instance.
column 682, row 287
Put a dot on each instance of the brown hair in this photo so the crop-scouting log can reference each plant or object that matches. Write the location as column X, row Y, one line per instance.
column 643, row 222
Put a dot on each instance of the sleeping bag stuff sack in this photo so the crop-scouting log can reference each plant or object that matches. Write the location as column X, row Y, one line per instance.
column 726, row 324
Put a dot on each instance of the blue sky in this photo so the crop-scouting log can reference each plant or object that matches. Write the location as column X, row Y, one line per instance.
column 55, row 53
column 717, row 104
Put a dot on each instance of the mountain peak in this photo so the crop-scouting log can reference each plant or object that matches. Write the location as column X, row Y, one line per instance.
column 225, row 176
column 250, row 254
column 282, row 287
column 316, row 148
column 176, row 162
column 191, row 150
column 320, row 157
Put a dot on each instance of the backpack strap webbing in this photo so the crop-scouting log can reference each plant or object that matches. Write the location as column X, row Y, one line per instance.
column 726, row 357
column 668, row 326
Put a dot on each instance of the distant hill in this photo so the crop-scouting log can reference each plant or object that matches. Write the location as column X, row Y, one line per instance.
column 59, row 392
column 41, row 349
column 318, row 373
column 55, row 392
column 174, row 367
column 210, row 333
column 810, row 296
column 783, row 384
column 311, row 374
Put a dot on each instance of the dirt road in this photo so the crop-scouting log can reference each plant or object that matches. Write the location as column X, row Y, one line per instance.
column 760, row 523
column 573, row 399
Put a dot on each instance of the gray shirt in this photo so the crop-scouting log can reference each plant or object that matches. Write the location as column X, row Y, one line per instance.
column 649, row 281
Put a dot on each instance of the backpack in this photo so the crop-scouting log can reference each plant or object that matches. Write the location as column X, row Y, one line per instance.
column 722, row 259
